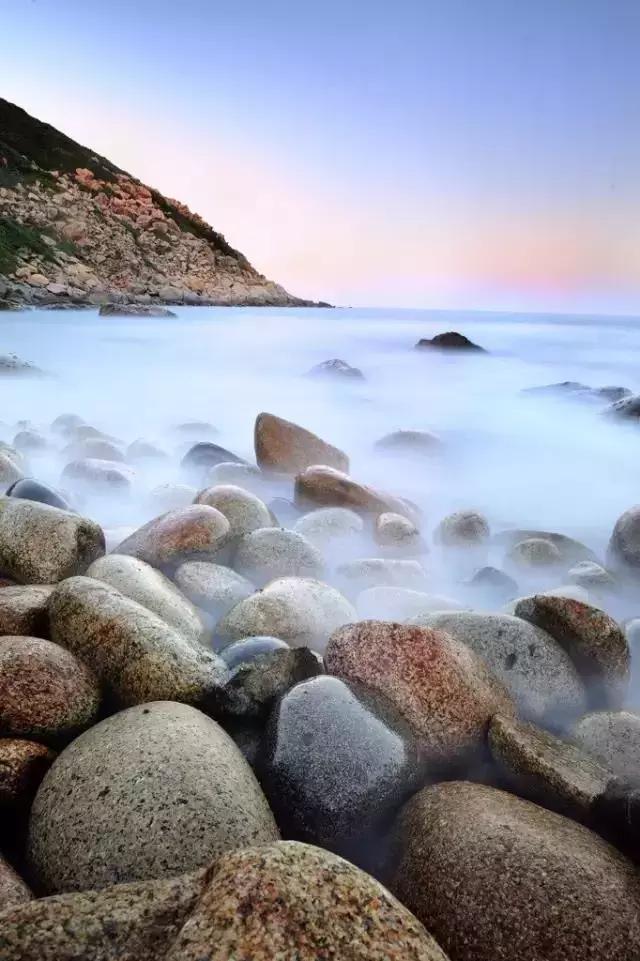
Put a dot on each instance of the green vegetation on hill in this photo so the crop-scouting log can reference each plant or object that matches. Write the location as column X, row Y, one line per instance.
column 13, row 237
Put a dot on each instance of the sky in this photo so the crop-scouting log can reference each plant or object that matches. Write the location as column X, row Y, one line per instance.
column 471, row 154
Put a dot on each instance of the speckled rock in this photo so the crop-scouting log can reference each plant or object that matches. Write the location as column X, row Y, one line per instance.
column 171, row 497
column 623, row 553
column 150, row 792
column 32, row 490
column 195, row 531
column 99, row 476
column 212, row 587
column 613, row 739
column 462, row 529
column 440, row 686
column 283, row 446
column 45, row 692
column 329, row 526
column 200, row 458
column 336, row 762
column 142, row 583
column 328, row 487
column 410, row 442
column 23, row 764
column 94, row 448
column 124, row 922
column 571, row 550
column 295, row 902
column 24, row 610
column 544, row 769
column 10, row 471
column 533, row 553
column 593, row 640
column 401, row 603
column 496, row 878
column 299, row 610
column 272, row 552
column 244, row 511
column 396, row 533
column 13, row 890
column 359, row 575
column 538, row 673
column 255, row 685
column 40, row 544
column 135, row 654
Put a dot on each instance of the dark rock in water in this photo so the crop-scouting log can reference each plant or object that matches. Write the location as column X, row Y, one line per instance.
column 23, row 764
column 452, row 340
column 338, row 761
column 623, row 552
column 134, row 310
column 336, row 369
column 495, row 583
column 249, row 648
column 626, row 409
column 11, row 365
column 255, row 685
column 32, row 490
column 612, row 393
column 205, row 455
column 577, row 391
column 562, row 388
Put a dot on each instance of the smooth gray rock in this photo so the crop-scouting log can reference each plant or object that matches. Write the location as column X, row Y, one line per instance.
column 272, row 552
column 24, row 610
column 244, row 511
column 212, row 587
column 613, row 739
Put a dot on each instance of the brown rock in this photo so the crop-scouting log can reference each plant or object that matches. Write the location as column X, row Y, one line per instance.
column 45, row 692
column 13, row 890
column 188, row 532
column 23, row 764
column 327, row 487
column 23, row 610
column 440, row 686
column 496, row 878
column 283, row 446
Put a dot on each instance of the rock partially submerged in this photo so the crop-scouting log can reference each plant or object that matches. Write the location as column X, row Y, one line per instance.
column 451, row 340
column 327, row 487
column 284, row 446
column 13, row 366
column 135, row 310
column 336, row 369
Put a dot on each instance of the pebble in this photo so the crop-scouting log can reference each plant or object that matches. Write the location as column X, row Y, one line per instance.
column 272, row 552
column 285, row 447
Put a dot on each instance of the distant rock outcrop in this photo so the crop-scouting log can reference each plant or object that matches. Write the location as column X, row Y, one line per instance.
column 451, row 340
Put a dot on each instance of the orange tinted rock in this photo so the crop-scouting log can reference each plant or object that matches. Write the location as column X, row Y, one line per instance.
column 178, row 535
column 283, row 446
column 23, row 764
column 333, row 488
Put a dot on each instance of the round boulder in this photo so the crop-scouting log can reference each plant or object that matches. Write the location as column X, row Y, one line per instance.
column 32, row 490
column 327, row 487
column 462, row 529
column 329, row 526
column 624, row 546
column 272, row 552
column 23, row 764
column 613, row 739
column 24, row 610
column 196, row 530
column 283, row 446
column 244, row 511
column 212, row 587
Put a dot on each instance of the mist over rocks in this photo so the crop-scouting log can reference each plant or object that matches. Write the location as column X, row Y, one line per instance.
column 281, row 445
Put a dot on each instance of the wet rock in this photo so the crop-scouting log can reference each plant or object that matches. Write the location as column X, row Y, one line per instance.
column 212, row 587
column 462, row 529
column 592, row 576
column 544, row 769
column 494, row 584
column 409, row 442
column 142, row 583
column 400, row 603
column 571, row 551
column 452, row 340
column 13, row 890
column 496, row 878
column 263, row 555
column 337, row 762
column 30, row 441
column 99, row 476
column 329, row 526
column 171, row 497
column 336, row 369
column 623, row 553
column 40, row 544
column 440, row 686
column 534, row 553
column 295, row 901
column 200, row 458
column 248, row 649
column 150, row 792
column 135, row 654
column 537, row 672
column 359, row 575
column 24, row 610
column 141, row 450
column 45, row 692
column 593, row 640
column 94, row 448
column 256, row 684
column 332, row 488
column 181, row 534
column 23, row 764
column 299, row 610
column 244, row 511
column 32, row 490
column 613, row 739
column 283, row 446
column 399, row 534
column 10, row 471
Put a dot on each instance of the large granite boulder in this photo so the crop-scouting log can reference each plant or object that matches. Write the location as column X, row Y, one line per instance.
column 285, row 447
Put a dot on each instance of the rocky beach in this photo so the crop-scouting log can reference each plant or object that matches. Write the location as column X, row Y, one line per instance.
column 318, row 637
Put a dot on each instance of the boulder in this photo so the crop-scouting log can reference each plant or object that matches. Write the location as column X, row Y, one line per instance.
column 13, row 890
column 254, row 685
column 24, row 610
column 493, row 584
column 571, row 551
column 40, row 544
column 147, row 586
column 534, row 553
column 99, row 476
column 247, row 476
column 244, row 511
column 23, row 764
column 299, row 610
column 329, row 526
column 441, row 687
column 64, row 423
column 625, row 409
column 136, row 655
column 283, row 446
column 327, row 487
column 249, row 649
column 451, row 340
column 612, row 738
column 212, row 587
column 462, row 529
column 271, row 552
column 593, row 640
column 32, row 490
column 623, row 553
column 592, row 576
column 200, row 458
column 496, row 878
column 398, row 534
column 141, row 450
column 10, row 471
column 30, row 441
column 151, row 792
column 336, row 369
column 94, row 448
column 409, row 442
column 171, row 497
column 181, row 534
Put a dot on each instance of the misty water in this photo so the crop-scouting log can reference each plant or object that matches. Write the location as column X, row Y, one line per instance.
column 547, row 463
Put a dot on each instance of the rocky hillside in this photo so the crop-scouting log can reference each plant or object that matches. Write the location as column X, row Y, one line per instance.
column 75, row 229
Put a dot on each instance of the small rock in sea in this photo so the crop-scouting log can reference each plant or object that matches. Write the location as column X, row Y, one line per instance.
column 441, row 687
column 533, row 554
column 32, row 490
column 151, row 792
column 336, row 369
column 12, row 365
column 542, row 768
column 283, row 446
column 142, row 583
column 140, row 451
column 331, row 910
column 571, row 551
column 200, row 458
column 563, row 388
column 396, row 533
column 400, row 603
column 327, row 487
column 359, row 575
column 13, row 890
column 189, row 532
column 99, row 476
column 623, row 553
column 65, row 423
column 244, row 511
column 452, row 340
column 613, row 739
column 40, row 544
column 537, row 672
column 94, row 448
column 23, row 764
column 409, row 442
column 593, row 640
column 626, row 409
column 10, row 471
column 329, row 526
column 299, row 610
column 134, row 310
column 255, row 685
column 271, row 552
column 592, row 576
column 45, row 692
column 494, row 584
column 135, row 654
column 319, row 736
column 496, row 877
column 248, row 649
column 24, row 610
column 29, row 441
column 462, row 529
column 212, row 587
column 171, row 497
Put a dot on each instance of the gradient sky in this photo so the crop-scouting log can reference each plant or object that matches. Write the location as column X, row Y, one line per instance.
column 429, row 153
